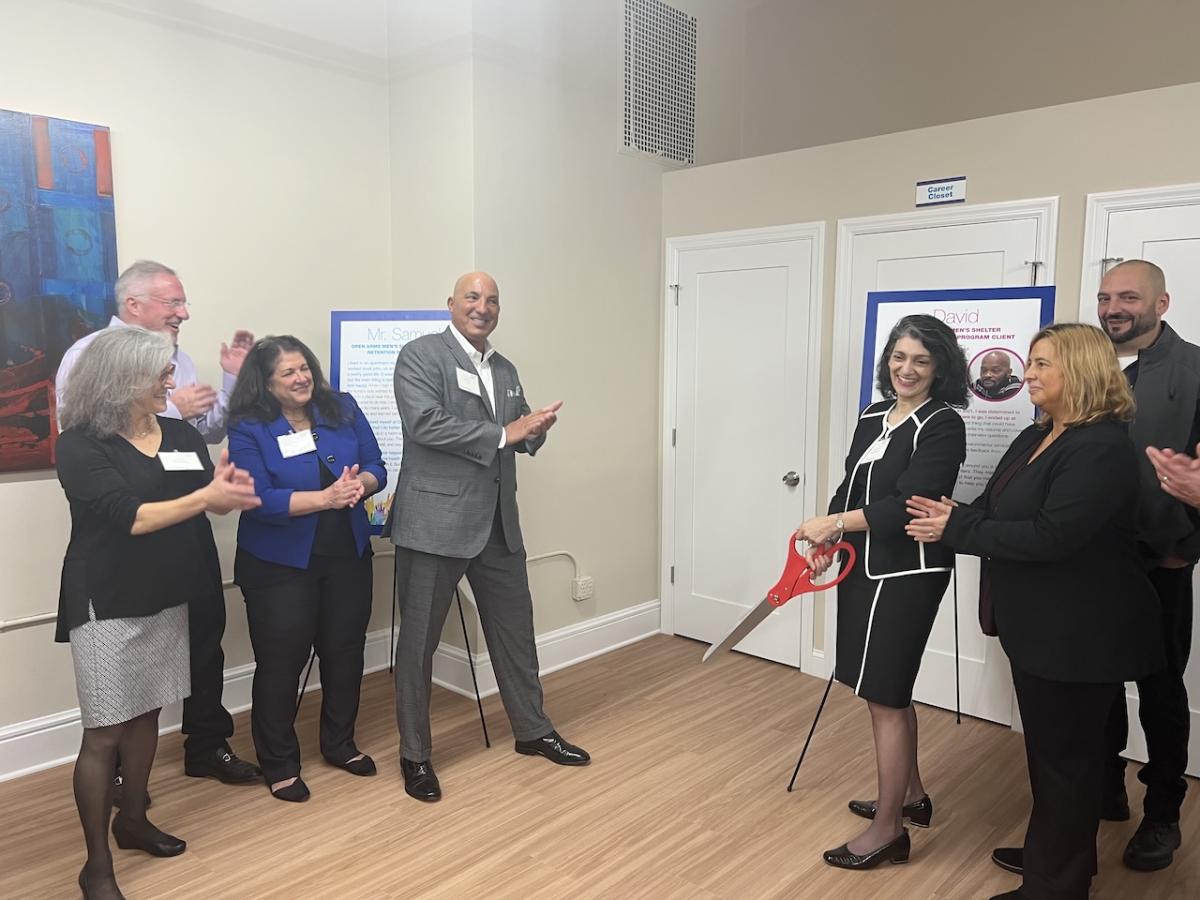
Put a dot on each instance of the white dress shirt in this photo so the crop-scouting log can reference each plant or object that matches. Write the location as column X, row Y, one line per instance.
column 483, row 366
column 211, row 425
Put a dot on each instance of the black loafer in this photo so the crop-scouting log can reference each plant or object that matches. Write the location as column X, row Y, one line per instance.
column 223, row 765
column 555, row 749
column 364, row 766
column 895, row 851
column 118, row 793
column 131, row 835
column 919, row 813
column 1152, row 846
column 296, row 792
column 420, row 781
column 1010, row 859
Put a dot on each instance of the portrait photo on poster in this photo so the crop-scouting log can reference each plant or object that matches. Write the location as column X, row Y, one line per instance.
column 997, row 374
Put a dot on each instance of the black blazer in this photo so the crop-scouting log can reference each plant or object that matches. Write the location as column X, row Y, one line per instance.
column 118, row 573
column 1070, row 594
column 922, row 457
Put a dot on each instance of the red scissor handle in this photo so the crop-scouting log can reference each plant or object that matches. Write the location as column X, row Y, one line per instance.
column 797, row 576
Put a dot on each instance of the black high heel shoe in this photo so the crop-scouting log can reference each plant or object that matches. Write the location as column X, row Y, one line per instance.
column 131, row 835
column 83, row 886
column 919, row 813
column 895, row 851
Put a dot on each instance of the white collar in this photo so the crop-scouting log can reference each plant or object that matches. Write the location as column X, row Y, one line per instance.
column 476, row 357
column 118, row 322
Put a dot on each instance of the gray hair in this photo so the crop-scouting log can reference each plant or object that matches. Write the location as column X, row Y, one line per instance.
column 133, row 281
column 114, row 370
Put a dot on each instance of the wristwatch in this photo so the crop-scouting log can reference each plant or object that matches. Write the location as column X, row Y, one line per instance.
column 840, row 526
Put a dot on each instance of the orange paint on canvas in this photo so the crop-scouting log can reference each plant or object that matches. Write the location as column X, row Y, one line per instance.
column 104, row 181
column 41, row 152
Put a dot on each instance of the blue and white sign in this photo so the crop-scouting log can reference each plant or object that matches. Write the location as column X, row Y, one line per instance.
column 941, row 191
column 994, row 327
column 363, row 354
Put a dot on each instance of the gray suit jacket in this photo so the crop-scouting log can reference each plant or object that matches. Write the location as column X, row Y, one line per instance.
column 453, row 473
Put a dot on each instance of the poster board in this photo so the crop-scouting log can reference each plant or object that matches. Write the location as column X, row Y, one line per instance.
column 362, row 360
column 994, row 327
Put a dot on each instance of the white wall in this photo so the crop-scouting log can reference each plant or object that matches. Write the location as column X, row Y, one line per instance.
column 263, row 181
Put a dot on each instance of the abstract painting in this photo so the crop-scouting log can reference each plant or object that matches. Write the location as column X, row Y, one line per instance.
column 58, row 262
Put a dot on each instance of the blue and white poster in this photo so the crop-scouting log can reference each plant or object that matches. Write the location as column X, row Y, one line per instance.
column 362, row 363
column 994, row 327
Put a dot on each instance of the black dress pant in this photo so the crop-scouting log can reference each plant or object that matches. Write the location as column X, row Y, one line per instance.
column 206, row 723
column 326, row 606
column 1162, row 708
column 1064, row 728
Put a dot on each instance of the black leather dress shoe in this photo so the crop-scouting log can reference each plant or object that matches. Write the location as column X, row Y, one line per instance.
column 1152, row 846
column 118, row 793
column 1115, row 808
column 1009, row 895
column 919, row 813
column 894, row 851
column 420, row 780
column 555, row 749
column 133, row 835
column 1010, row 859
column 223, row 765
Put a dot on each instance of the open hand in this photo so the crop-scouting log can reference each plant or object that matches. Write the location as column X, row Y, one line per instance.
column 929, row 518
column 193, row 400
column 234, row 354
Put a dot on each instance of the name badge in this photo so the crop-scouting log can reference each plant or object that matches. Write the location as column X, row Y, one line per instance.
column 469, row 382
column 180, row 461
column 297, row 444
column 876, row 450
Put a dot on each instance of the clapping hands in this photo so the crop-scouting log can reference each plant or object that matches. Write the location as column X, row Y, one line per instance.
column 231, row 488
column 346, row 491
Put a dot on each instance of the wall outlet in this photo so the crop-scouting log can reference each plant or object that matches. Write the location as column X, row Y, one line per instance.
column 582, row 588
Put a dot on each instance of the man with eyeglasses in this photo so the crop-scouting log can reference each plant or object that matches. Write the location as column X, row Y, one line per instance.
column 150, row 295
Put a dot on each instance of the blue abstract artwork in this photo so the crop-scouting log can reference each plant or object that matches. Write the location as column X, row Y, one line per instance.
column 58, row 263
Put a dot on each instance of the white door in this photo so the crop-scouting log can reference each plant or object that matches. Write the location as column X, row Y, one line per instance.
column 742, row 400
column 1163, row 226
column 993, row 245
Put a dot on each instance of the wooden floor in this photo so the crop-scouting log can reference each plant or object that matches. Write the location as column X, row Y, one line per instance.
column 685, row 798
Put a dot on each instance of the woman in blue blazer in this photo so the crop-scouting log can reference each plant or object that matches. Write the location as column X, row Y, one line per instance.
column 304, row 557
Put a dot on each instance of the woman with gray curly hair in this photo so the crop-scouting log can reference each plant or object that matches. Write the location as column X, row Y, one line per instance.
column 141, row 549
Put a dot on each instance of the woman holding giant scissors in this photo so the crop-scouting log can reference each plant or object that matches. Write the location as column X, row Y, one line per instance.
column 887, row 604
column 1064, row 586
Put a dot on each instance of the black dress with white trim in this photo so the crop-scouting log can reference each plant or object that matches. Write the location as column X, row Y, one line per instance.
column 886, row 606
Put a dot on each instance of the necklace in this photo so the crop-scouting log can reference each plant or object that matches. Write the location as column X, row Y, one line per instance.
column 138, row 434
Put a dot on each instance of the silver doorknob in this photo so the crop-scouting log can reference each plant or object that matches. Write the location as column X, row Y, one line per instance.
column 791, row 479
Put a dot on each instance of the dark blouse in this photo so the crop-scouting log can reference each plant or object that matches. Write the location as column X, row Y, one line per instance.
column 119, row 573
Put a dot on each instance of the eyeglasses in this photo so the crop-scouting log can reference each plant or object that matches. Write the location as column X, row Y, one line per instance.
column 173, row 303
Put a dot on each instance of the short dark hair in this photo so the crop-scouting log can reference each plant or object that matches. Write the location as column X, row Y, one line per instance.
column 252, row 398
column 951, row 383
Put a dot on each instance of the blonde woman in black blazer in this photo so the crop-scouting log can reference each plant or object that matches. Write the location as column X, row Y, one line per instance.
column 1071, row 602
column 887, row 604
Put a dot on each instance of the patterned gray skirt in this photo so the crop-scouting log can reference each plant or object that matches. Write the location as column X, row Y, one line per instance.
column 126, row 667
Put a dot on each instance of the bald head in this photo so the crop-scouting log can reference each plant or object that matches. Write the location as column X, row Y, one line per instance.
column 1130, row 304
column 475, row 307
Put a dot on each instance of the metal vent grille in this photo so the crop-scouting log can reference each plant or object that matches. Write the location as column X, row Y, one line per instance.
column 660, row 80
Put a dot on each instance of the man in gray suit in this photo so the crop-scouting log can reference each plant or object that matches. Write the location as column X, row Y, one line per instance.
column 464, row 418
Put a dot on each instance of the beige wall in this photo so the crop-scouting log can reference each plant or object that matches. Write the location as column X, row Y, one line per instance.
column 818, row 72
column 264, row 182
column 1133, row 140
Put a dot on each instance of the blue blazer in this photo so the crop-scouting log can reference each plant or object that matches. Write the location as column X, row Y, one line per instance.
column 268, row 532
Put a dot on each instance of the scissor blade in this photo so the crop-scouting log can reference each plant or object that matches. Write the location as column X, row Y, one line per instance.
column 748, row 623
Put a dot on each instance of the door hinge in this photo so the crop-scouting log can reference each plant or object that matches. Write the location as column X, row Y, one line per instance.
column 675, row 288
column 672, row 574
column 672, row 437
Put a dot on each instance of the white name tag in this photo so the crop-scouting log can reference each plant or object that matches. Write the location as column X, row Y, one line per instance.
column 297, row 444
column 180, row 461
column 876, row 450
column 469, row 382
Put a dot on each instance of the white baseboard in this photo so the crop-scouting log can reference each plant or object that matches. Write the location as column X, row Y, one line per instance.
column 28, row 747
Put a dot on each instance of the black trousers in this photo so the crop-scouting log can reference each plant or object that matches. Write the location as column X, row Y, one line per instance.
column 206, row 723
column 326, row 606
column 1064, row 727
column 1162, row 708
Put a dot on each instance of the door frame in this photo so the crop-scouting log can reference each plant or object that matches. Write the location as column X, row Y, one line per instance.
column 814, row 232
column 843, row 409
column 1095, row 229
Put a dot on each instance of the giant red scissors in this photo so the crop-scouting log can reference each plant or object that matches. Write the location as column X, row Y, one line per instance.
column 797, row 579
